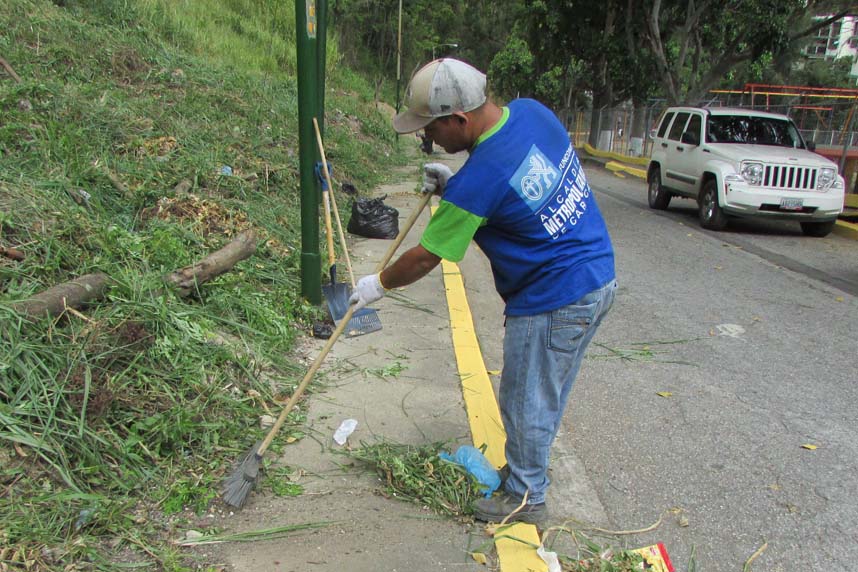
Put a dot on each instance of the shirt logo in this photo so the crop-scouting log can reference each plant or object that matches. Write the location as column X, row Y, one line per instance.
column 536, row 178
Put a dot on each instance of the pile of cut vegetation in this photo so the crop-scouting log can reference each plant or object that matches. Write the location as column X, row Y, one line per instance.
column 130, row 150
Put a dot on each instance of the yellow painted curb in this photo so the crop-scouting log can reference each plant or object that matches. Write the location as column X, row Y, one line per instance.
column 846, row 229
column 484, row 418
column 480, row 403
column 616, row 156
column 516, row 550
column 614, row 166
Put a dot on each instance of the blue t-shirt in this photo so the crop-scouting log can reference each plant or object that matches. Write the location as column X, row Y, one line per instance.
column 523, row 197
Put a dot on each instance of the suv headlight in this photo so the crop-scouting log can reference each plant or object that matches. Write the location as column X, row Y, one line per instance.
column 826, row 178
column 752, row 173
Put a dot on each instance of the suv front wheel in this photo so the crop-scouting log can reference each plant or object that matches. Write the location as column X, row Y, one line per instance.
column 657, row 196
column 711, row 215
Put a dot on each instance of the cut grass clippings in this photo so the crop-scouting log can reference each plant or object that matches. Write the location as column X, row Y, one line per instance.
column 593, row 549
column 640, row 351
column 254, row 535
column 416, row 474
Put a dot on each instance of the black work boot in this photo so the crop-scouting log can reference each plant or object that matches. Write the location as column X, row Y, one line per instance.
column 504, row 475
column 497, row 508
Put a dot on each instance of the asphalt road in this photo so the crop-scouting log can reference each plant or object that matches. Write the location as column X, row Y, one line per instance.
column 750, row 336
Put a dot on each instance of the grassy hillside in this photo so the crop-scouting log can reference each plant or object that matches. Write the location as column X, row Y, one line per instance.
column 118, row 423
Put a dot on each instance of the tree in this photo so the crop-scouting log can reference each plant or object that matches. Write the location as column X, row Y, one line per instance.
column 697, row 42
column 512, row 70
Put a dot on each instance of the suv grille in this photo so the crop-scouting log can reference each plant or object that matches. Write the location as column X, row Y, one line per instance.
column 788, row 177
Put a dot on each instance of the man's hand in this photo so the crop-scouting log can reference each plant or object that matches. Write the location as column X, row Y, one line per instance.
column 367, row 290
column 435, row 177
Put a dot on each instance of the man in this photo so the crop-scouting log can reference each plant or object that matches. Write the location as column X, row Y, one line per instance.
column 523, row 197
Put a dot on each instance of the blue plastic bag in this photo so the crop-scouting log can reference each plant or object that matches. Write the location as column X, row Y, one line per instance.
column 473, row 460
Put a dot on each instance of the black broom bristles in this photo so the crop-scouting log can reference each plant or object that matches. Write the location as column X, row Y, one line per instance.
column 237, row 487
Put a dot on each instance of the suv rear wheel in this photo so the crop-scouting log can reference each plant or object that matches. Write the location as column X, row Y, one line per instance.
column 817, row 229
column 711, row 215
column 657, row 196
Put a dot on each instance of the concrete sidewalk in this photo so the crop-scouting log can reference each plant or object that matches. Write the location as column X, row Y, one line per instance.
column 401, row 384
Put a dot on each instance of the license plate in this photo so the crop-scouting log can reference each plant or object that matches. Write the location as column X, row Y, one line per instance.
column 792, row 204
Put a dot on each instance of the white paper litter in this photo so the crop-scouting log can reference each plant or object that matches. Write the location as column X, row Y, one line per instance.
column 346, row 428
column 549, row 558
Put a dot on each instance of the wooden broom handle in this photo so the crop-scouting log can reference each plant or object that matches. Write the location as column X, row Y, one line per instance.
column 424, row 200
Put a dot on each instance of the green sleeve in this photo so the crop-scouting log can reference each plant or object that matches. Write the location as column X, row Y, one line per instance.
column 450, row 231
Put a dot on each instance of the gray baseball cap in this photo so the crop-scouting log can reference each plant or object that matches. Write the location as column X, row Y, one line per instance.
column 441, row 87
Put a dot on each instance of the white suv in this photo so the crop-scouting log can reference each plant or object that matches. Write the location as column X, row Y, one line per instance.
column 740, row 162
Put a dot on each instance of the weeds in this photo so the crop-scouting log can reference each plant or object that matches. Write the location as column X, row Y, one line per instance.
column 394, row 369
column 416, row 474
column 640, row 351
column 134, row 409
column 278, row 480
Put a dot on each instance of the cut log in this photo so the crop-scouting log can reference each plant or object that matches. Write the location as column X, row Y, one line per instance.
column 12, row 253
column 187, row 280
column 73, row 294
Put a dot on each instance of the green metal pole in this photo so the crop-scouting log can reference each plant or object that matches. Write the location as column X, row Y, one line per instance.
column 322, row 29
column 307, row 46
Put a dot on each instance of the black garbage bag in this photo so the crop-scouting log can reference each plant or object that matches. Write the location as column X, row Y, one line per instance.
column 374, row 219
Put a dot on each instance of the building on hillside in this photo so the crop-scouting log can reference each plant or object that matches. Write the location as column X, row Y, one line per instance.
column 837, row 40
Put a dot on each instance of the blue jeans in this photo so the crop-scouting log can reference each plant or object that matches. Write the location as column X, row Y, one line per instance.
column 542, row 356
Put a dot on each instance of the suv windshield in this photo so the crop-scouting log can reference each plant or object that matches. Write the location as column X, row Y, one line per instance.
column 752, row 130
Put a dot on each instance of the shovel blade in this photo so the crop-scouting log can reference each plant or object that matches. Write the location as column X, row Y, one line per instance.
column 364, row 321
column 337, row 296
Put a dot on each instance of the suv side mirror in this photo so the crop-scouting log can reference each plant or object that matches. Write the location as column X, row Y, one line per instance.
column 690, row 138
column 811, row 146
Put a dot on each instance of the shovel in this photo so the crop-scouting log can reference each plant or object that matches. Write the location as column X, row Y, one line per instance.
column 365, row 320
column 240, row 483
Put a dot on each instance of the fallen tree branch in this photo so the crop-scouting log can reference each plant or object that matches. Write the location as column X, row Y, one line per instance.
column 12, row 253
column 117, row 183
column 9, row 70
column 186, row 280
column 55, row 300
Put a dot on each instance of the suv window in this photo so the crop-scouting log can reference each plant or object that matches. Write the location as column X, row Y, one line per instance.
column 752, row 130
column 678, row 126
column 664, row 123
column 694, row 126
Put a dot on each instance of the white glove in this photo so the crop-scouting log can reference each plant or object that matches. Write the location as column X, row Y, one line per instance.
column 435, row 177
column 367, row 290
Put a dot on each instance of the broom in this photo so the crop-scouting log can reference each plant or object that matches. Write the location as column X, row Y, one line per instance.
column 243, row 479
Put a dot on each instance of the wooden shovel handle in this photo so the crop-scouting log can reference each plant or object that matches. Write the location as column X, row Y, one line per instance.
column 334, row 204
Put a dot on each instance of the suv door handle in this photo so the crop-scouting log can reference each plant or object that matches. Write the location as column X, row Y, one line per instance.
column 679, row 148
column 664, row 145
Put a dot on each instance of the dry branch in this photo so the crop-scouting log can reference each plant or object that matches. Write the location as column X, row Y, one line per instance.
column 12, row 253
column 9, row 70
column 73, row 294
column 117, row 183
column 187, row 279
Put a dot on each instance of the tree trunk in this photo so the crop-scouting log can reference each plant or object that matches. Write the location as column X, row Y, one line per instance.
column 638, row 135
column 186, row 280
column 73, row 294
column 595, row 124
